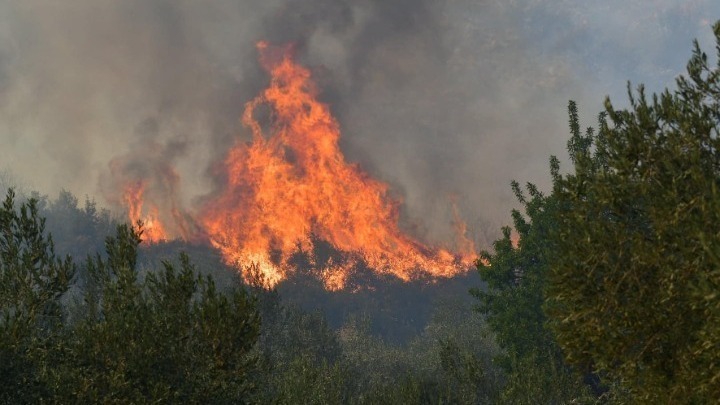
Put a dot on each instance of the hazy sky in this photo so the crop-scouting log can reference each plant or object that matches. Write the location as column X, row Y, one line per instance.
column 438, row 98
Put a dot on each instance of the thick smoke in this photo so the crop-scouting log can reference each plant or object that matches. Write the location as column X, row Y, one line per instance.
column 443, row 99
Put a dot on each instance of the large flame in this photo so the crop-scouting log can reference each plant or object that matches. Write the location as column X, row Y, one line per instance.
column 291, row 188
column 292, row 185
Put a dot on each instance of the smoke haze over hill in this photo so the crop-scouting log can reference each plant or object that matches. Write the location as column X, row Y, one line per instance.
column 438, row 98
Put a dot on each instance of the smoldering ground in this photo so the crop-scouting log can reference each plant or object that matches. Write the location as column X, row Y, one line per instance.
column 442, row 99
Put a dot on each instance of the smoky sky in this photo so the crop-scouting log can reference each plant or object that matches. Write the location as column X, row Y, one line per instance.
column 444, row 99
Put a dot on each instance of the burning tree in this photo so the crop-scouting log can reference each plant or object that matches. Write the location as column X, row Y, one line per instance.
column 288, row 188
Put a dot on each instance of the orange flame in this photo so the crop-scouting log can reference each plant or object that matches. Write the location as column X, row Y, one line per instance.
column 291, row 184
column 153, row 229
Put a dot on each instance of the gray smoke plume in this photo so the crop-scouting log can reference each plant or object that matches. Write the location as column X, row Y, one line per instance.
column 441, row 98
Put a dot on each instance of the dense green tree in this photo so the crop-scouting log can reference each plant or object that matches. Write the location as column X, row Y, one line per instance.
column 634, row 285
column 170, row 337
column 32, row 282
column 304, row 381
column 515, row 274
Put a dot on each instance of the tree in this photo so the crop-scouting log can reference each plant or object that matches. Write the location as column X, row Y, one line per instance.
column 512, row 302
column 169, row 338
column 634, row 285
column 32, row 282
column 77, row 231
column 515, row 277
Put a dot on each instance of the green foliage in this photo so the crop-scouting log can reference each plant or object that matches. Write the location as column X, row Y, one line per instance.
column 32, row 282
column 466, row 377
column 171, row 337
column 516, row 276
column 299, row 355
column 311, row 336
column 538, row 378
column 449, row 363
column 634, row 289
column 306, row 382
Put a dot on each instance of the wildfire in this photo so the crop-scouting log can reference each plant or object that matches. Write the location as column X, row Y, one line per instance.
column 153, row 229
column 293, row 183
column 292, row 187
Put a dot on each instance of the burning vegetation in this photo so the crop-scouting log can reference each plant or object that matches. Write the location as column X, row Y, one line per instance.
column 292, row 187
